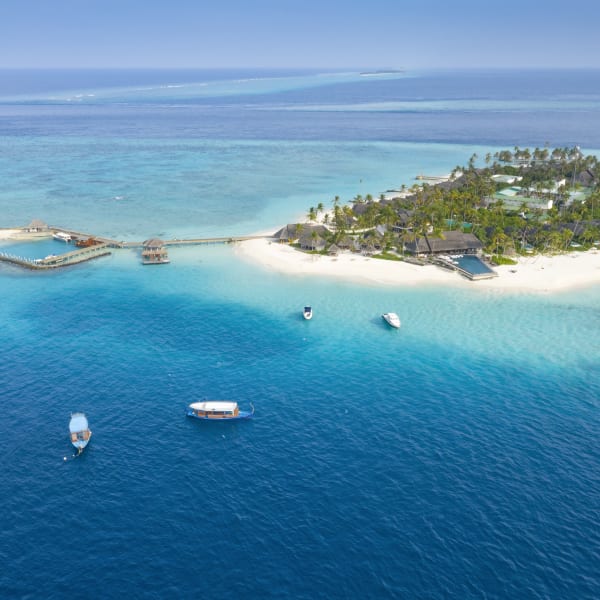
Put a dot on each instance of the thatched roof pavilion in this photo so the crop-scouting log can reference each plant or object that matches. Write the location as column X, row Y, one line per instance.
column 289, row 233
column 36, row 226
column 452, row 242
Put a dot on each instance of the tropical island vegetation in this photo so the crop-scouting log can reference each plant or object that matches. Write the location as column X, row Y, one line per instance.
column 518, row 201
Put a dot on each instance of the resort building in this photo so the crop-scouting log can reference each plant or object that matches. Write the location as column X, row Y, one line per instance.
column 289, row 233
column 36, row 226
column 451, row 242
column 510, row 179
column 313, row 237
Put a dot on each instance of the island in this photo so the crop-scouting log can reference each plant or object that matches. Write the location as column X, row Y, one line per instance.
column 523, row 219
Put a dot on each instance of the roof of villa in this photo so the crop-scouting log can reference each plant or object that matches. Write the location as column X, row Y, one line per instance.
column 154, row 243
column 37, row 223
column 452, row 241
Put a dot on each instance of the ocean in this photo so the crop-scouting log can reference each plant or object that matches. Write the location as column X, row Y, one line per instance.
column 456, row 457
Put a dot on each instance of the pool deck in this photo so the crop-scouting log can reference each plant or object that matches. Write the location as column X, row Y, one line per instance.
column 449, row 264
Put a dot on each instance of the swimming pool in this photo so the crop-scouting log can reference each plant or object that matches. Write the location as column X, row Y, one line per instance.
column 474, row 265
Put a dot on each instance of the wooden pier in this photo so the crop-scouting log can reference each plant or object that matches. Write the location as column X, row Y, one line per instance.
column 195, row 241
column 58, row 260
column 101, row 246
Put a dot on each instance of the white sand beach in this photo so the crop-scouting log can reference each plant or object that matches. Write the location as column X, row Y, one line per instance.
column 536, row 273
column 7, row 234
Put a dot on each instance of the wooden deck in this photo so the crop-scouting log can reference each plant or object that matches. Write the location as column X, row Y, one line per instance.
column 196, row 241
column 59, row 260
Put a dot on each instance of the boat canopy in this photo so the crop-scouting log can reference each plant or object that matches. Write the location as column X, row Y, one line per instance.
column 214, row 405
column 78, row 423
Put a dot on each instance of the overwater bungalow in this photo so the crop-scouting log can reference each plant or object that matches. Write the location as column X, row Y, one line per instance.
column 154, row 252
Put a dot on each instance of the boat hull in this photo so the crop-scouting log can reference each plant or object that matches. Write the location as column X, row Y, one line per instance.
column 392, row 320
column 242, row 414
column 81, row 444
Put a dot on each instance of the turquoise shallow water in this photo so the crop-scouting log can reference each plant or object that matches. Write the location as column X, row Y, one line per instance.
column 456, row 457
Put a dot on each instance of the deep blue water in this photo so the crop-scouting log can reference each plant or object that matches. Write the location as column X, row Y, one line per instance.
column 456, row 457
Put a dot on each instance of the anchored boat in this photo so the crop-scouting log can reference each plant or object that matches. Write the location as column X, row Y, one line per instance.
column 218, row 409
column 80, row 431
column 392, row 319
column 61, row 236
column 307, row 313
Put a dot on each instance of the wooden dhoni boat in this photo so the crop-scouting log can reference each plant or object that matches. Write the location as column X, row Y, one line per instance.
column 80, row 431
column 217, row 410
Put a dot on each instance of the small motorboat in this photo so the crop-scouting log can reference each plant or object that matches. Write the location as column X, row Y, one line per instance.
column 217, row 410
column 392, row 319
column 80, row 431
column 307, row 313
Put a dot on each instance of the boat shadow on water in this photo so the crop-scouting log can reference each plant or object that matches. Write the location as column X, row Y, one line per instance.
column 381, row 324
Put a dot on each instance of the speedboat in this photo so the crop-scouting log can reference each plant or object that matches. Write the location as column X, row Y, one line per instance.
column 61, row 236
column 218, row 409
column 392, row 319
column 307, row 313
column 80, row 431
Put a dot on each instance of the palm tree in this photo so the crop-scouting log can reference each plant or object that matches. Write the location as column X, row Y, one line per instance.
column 313, row 238
column 312, row 214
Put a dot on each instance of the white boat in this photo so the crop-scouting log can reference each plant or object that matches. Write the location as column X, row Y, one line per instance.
column 307, row 313
column 218, row 409
column 392, row 319
column 61, row 236
column 80, row 431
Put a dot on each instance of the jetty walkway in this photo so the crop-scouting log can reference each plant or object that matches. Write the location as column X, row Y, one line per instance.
column 196, row 241
column 98, row 246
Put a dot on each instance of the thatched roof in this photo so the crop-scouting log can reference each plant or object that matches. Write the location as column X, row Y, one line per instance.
column 154, row 243
column 37, row 224
column 308, row 242
column 287, row 233
column 346, row 242
column 451, row 242
column 586, row 178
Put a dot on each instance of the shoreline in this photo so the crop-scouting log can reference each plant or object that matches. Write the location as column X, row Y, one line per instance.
column 536, row 273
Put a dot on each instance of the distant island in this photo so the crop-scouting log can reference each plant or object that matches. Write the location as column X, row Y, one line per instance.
column 382, row 72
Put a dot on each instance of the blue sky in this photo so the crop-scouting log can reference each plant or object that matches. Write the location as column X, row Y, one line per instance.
column 299, row 33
